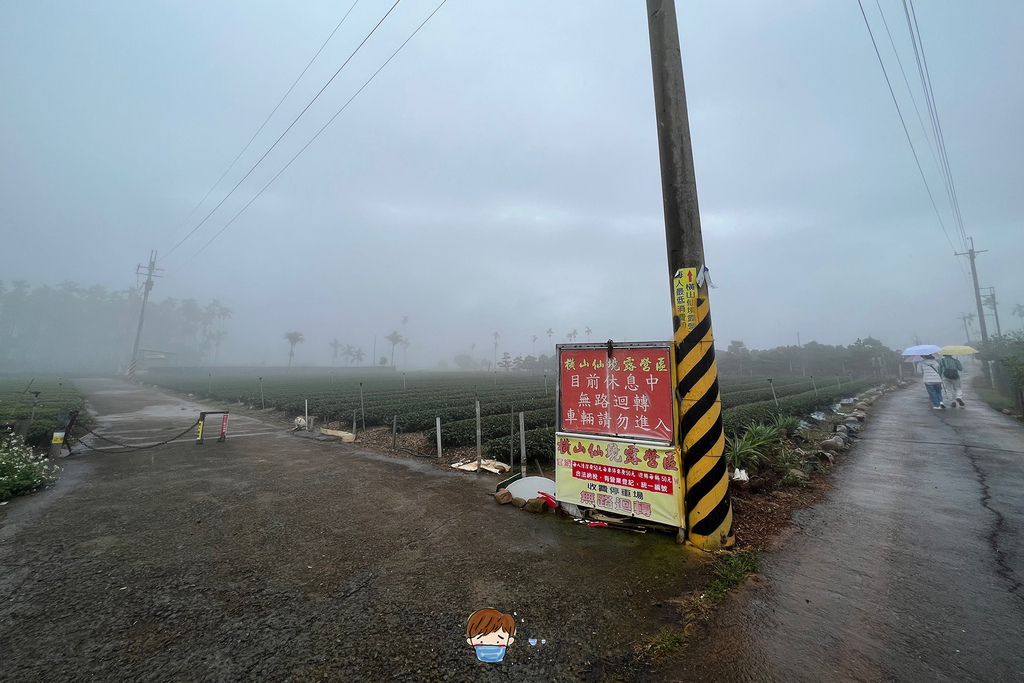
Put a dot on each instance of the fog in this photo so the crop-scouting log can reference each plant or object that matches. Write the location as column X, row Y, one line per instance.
column 500, row 174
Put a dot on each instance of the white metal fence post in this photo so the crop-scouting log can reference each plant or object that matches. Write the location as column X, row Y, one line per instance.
column 479, row 452
column 522, row 444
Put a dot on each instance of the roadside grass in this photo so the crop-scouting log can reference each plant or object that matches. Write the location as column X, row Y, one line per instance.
column 664, row 643
column 729, row 570
column 790, row 479
column 987, row 393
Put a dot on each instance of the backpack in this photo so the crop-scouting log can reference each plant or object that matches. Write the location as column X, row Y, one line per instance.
column 949, row 372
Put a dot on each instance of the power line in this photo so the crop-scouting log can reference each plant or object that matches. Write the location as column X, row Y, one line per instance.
column 907, row 133
column 322, row 129
column 265, row 121
column 943, row 169
column 910, row 90
column 304, row 110
column 926, row 84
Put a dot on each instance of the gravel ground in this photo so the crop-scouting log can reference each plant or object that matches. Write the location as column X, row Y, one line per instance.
column 272, row 557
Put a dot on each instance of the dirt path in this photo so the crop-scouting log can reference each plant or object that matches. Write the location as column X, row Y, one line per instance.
column 271, row 557
column 911, row 570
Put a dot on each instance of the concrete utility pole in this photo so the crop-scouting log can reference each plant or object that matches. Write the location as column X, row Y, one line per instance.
column 991, row 301
column 142, row 314
column 705, row 476
column 965, row 317
column 971, row 254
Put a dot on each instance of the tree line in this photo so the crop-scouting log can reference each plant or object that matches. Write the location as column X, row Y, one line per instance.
column 69, row 328
column 866, row 357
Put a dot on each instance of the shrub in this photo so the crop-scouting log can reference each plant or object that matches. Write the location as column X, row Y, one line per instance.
column 787, row 425
column 540, row 445
column 21, row 471
column 762, row 436
column 752, row 449
column 740, row 454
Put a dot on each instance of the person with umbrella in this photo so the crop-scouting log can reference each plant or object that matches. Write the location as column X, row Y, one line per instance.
column 933, row 380
column 930, row 369
column 950, row 369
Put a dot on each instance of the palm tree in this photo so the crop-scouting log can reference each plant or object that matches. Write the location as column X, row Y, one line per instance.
column 358, row 356
column 395, row 340
column 293, row 339
column 405, row 351
column 223, row 313
column 534, row 345
column 586, row 330
column 217, row 336
column 215, row 311
column 572, row 335
column 1018, row 311
column 549, row 333
column 349, row 354
column 192, row 317
column 335, row 345
column 496, row 336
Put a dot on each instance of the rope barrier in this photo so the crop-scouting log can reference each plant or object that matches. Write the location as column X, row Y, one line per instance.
column 127, row 447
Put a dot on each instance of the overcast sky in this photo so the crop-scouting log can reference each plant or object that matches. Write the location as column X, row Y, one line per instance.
column 501, row 173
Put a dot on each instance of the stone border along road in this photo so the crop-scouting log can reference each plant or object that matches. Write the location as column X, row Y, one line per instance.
column 911, row 569
column 274, row 558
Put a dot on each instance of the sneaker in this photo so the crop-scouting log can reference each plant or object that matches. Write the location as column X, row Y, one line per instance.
column 936, row 408
column 942, row 406
column 961, row 402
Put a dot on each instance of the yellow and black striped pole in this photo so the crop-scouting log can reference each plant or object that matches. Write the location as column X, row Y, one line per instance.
column 707, row 506
column 708, row 511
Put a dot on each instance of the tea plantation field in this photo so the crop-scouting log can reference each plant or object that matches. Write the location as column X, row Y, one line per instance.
column 17, row 396
column 418, row 398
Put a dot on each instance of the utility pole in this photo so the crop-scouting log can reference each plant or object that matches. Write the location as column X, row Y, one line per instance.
column 707, row 508
column 965, row 317
column 991, row 301
column 150, row 270
column 971, row 254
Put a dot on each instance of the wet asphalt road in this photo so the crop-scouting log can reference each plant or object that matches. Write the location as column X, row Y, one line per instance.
column 276, row 558
column 910, row 571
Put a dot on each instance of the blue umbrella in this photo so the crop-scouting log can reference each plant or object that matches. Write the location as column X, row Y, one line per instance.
column 922, row 350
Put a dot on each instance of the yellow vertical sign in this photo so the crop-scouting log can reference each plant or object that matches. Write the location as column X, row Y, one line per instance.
column 684, row 297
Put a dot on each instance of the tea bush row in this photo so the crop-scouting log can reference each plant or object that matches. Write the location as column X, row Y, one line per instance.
column 463, row 432
column 736, row 419
column 540, row 445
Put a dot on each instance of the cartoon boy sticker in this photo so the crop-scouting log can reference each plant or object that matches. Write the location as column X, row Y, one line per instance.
column 490, row 632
